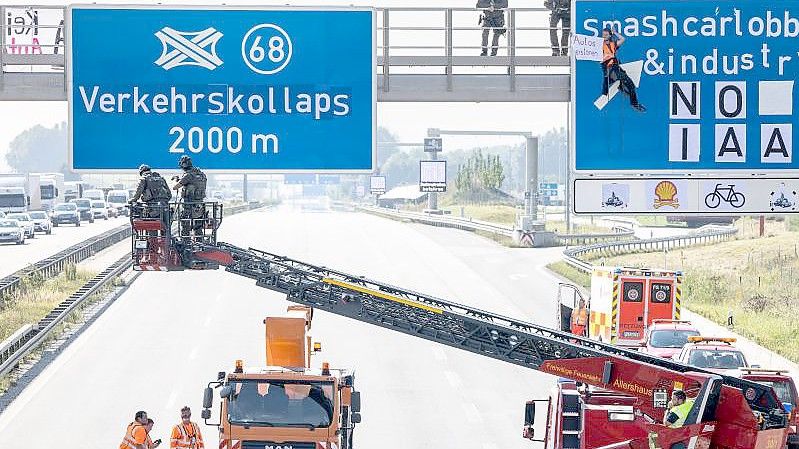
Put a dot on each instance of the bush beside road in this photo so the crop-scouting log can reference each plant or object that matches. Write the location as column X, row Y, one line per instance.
column 753, row 279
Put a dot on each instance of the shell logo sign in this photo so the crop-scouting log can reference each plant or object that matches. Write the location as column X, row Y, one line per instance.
column 666, row 195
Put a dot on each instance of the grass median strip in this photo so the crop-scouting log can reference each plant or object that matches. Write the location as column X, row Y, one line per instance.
column 37, row 298
column 753, row 279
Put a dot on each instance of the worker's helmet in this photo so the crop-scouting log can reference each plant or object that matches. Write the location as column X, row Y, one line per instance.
column 143, row 168
column 185, row 162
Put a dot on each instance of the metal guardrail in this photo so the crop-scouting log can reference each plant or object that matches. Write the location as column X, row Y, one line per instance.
column 441, row 220
column 445, row 42
column 620, row 232
column 702, row 236
column 25, row 340
column 53, row 265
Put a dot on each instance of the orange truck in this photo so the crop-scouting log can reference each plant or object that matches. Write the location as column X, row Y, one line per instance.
column 285, row 404
column 624, row 302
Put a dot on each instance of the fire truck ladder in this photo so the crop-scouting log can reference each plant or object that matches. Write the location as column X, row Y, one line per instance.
column 456, row 325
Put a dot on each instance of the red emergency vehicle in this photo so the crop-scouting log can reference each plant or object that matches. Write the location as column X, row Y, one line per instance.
column 785, row 389
column 624, row 302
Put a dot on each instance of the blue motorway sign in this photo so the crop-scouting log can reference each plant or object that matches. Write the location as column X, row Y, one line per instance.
column 695, row 86
column 273, row 90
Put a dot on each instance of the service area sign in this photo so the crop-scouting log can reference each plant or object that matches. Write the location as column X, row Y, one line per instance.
column 697, row 88
column 432, row 176
column 377, row 185
column 237, row 89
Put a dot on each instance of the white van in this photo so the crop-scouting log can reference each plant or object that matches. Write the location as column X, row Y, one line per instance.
column 118, row 199
column 94, row 194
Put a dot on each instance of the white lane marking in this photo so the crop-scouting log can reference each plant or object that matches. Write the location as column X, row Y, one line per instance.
column 208, row 320
column 172, row 398
column 193, row 353
column 489, row 446
column 439, row 354
column 517, row 276
column 454, row 379
column 472, row 414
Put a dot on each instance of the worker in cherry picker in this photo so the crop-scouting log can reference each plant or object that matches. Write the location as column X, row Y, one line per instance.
column 192, row 209
column 154, row 192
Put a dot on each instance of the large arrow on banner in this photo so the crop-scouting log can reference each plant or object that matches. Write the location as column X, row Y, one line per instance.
column 634, row 70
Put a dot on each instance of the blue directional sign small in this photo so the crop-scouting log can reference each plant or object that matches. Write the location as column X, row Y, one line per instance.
column 255, row 89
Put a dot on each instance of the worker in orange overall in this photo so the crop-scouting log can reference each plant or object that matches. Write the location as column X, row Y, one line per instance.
column 579, row 319
column 150, row 444
column 136, row 433
column 186, row 434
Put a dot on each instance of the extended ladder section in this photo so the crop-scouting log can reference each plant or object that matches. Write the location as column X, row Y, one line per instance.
column 452, row 324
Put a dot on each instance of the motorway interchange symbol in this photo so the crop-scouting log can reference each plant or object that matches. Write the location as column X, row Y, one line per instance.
column 188, row 48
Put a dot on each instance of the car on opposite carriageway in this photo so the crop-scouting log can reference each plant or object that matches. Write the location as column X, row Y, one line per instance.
column 65, row 213
column 26, row 222
column 99, row 209
column 84, row 209
column 11, row 231
column 41, row 221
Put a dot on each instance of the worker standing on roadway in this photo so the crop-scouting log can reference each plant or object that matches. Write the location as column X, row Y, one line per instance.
column 612, row 70
column 677, row 409
column 186, row 434
column 193, row 183
column 579, row 318
column 136, row 434
column 150, row 444
column 153, row 191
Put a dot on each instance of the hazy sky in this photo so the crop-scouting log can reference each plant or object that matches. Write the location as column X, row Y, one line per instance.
column 408, row 120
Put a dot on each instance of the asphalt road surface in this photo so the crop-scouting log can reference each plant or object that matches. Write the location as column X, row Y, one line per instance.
column 169, row 334
column 15, row 257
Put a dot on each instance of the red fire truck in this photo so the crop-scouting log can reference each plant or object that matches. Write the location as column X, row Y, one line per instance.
column 608, row 397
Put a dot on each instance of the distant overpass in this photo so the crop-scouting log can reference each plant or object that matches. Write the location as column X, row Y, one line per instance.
column 424, row 54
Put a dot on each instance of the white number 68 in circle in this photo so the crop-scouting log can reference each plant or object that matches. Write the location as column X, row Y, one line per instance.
column 268, row 44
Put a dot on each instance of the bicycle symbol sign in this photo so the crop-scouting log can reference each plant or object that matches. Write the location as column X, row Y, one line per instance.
column 725, row 194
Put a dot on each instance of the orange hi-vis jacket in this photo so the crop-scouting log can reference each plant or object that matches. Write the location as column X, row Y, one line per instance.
column 135, row 436
column 579, row 317
column 609, row 50
column 186, row 437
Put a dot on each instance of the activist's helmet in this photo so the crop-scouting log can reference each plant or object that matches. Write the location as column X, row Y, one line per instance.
column 185, row 162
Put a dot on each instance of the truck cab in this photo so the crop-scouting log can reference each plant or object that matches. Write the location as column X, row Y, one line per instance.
column 286, row 403
column 785, row 388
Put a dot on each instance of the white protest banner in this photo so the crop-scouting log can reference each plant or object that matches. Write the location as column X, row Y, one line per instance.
column 587, row 48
